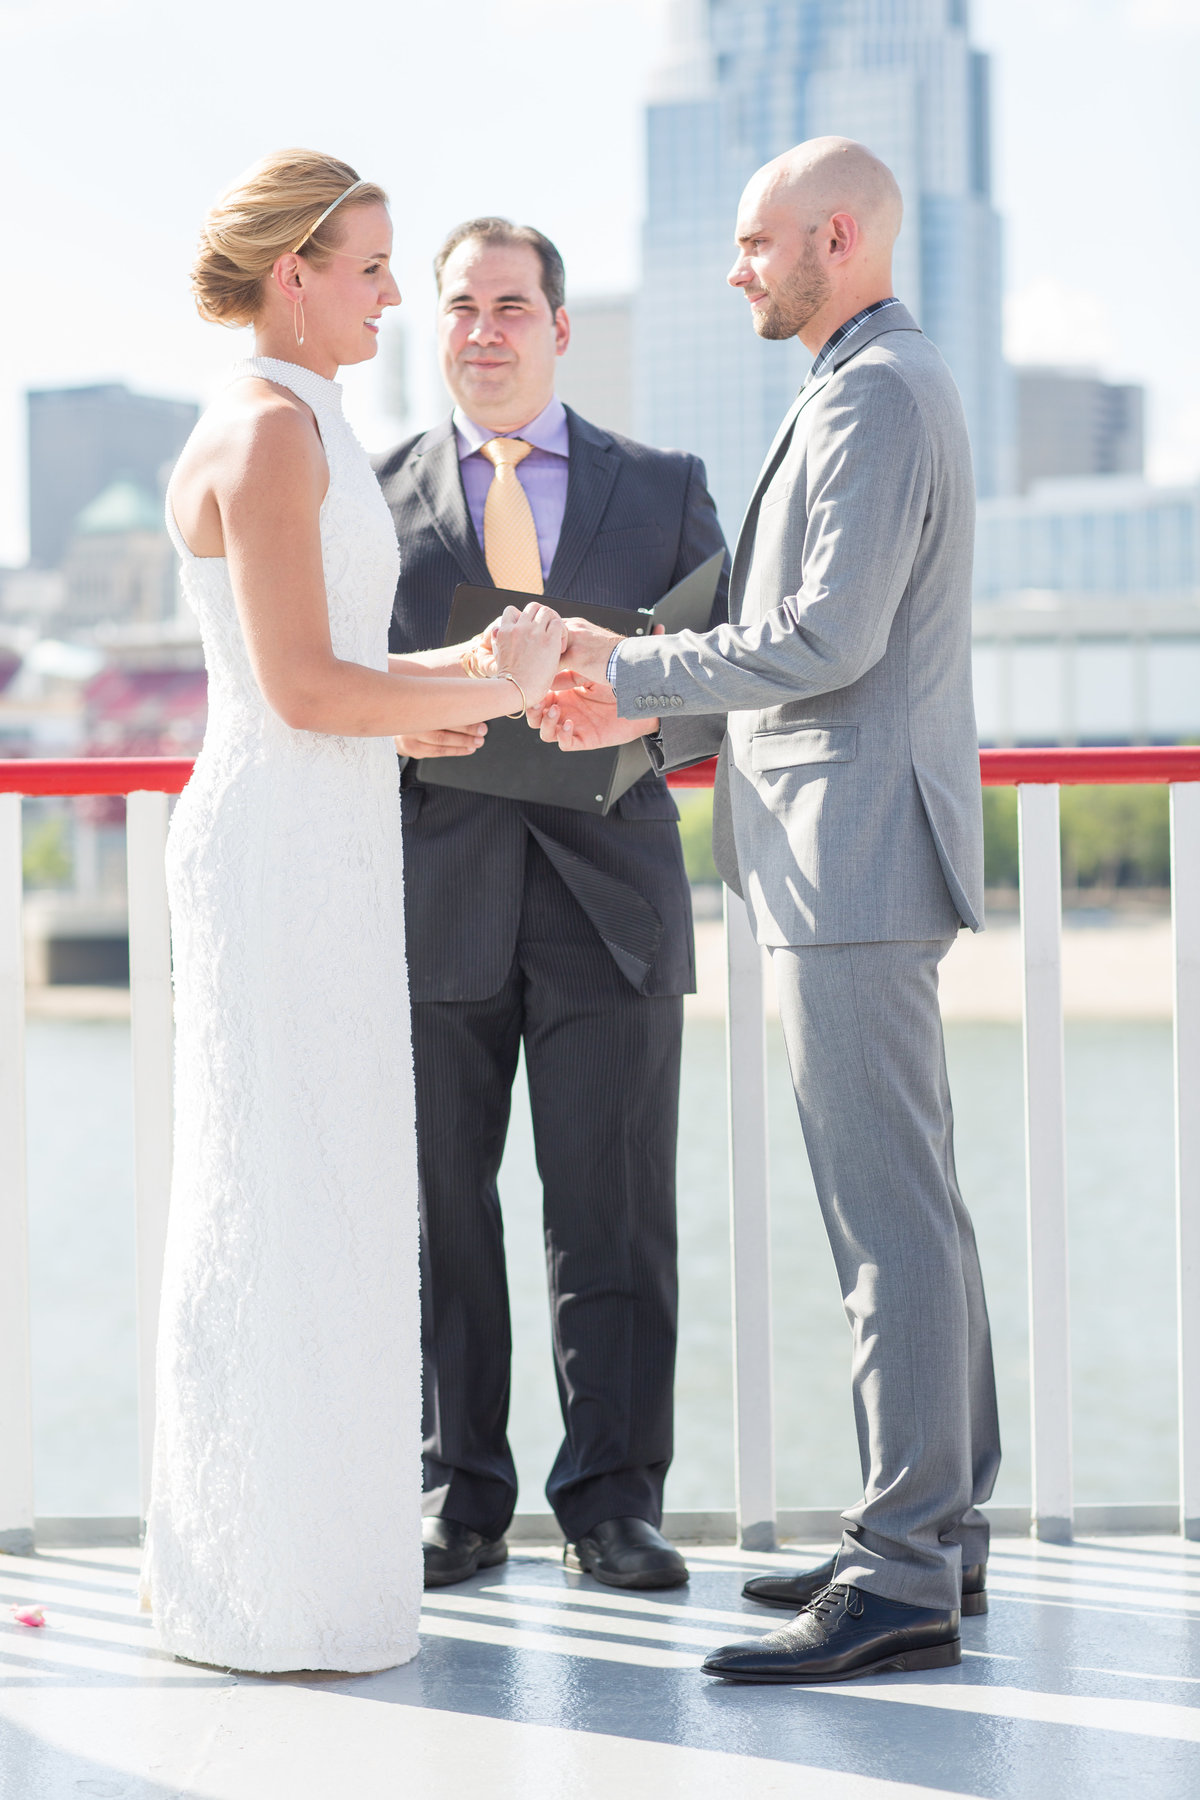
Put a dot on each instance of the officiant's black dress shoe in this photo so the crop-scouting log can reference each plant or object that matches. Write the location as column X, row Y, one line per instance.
column 454, row 1552
column 795, row 1591
column 627, row 1553
column 843, row 1633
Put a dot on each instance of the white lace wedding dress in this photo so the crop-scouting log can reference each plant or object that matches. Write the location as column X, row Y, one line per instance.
column 284, row 1528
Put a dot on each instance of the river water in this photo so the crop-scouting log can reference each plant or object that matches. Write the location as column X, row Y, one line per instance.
column 1120, row 1149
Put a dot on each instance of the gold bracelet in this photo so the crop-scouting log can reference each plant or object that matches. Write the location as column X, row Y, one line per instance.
column 467, row 660
column 503, row 675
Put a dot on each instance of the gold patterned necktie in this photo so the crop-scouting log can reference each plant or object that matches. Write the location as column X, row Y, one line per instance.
column 510, row 545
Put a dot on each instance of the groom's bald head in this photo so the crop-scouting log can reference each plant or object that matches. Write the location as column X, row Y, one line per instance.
column 830, row 175
column 815, row 232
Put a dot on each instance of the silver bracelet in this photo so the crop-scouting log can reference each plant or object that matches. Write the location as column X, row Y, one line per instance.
column 503, row 675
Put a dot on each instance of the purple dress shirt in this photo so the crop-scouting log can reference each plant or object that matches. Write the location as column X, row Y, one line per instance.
column 543, row 473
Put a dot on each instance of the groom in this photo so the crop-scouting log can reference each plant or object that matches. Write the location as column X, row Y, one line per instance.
column 534, row 928
column 847, row 812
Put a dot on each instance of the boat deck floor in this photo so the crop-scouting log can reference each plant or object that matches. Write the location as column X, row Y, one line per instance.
column 1082, row 1681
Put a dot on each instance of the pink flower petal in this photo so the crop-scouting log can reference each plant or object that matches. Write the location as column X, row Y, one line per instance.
column 29, row 1615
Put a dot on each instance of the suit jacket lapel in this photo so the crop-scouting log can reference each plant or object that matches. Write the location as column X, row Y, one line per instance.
column 783, row 437
column 892, row 318
column 438, row 480
column 775, row 455
column 592, row 471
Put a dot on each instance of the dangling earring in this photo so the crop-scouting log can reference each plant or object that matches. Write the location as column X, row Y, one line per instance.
column 298, row 320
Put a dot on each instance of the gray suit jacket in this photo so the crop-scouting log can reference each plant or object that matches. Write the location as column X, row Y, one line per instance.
column 848, row 801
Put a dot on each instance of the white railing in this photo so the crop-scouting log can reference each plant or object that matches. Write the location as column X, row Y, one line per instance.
column 1036, row 774
column 1045, row 1162
column 16, row 1370
column 152, row 1047
column 1185, row 905
column 750, row 1231
column 152, row 1033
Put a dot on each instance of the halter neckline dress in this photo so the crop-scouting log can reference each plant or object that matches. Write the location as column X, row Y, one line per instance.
column 284, row 1527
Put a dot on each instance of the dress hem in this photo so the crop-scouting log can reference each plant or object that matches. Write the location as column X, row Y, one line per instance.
column 296, row 1663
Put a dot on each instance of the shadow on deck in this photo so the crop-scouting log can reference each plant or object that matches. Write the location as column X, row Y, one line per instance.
column 1084, row 1680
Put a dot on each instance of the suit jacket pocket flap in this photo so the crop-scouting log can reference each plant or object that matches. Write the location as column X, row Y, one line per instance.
column 791, row 745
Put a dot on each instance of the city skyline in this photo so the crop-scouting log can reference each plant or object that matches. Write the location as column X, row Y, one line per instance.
column 746, row 75
column 103, row 154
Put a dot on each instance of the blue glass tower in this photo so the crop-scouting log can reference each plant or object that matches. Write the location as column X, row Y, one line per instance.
column 748, row 79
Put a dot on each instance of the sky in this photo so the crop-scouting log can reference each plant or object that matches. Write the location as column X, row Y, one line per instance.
column 120, row 120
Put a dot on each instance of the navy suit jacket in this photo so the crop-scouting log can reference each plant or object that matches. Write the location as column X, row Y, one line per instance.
column 637, row 520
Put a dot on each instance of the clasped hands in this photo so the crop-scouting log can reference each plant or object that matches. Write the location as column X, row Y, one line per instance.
column 575, row 708
column 561, row 667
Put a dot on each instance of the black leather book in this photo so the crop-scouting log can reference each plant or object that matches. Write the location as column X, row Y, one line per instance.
column 513, row 761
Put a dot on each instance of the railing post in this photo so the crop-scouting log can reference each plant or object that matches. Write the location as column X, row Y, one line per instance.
column 746, row 1048
column 152, row 1031
column 1046, row 1163
column 1185, row 918
column 16, row 1371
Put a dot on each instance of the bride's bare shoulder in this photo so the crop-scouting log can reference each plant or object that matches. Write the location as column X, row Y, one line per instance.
column 254, row 413
column 253, row 438
column 251, row 427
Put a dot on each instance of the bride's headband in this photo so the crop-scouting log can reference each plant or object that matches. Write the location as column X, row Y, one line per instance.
column 317, row 223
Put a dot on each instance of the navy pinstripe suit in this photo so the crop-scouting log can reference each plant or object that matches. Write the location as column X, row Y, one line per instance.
column 502, row 905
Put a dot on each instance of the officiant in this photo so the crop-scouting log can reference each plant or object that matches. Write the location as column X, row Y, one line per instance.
column 565, row 933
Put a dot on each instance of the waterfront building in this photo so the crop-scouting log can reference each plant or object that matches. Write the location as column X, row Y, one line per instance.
column 747, row 79
column 119, row 564
column 29, row 596
column 83, row 439
column 1087, row 614
column 1070, row 422
column 1104, row 537
column 42, row 683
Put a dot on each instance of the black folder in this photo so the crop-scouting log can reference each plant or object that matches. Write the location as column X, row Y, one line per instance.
column 513, row 761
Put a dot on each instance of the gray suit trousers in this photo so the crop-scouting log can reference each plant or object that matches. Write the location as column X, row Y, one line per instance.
column 864, row 1039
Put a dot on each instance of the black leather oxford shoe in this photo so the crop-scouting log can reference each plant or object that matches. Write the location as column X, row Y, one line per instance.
column 795, row 1591
column 627, row 1553
column 454, row 1552
column 842, row 1633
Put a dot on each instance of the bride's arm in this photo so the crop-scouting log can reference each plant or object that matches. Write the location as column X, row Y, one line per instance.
column 437, row 740
column 269, row 491
column 445, row 660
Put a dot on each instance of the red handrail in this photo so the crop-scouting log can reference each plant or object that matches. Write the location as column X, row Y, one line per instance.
column 1084, row 766
column 1075, row 767
column 1091, row 765
column 96, row 775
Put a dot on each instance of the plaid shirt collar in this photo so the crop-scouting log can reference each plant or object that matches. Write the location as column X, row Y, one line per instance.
column 824, row 359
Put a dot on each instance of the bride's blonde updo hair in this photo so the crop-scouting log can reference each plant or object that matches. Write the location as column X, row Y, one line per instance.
column 267, row 212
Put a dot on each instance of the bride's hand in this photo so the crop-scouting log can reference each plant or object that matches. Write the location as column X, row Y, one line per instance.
column 527, row 645
column 582, row 715
column 479, row 656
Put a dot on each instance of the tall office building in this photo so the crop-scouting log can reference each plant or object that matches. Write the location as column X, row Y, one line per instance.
column 1071, row 423
column 81, row 440
column 748, row 79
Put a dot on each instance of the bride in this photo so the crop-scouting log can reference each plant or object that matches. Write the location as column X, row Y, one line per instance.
column 284, row 1528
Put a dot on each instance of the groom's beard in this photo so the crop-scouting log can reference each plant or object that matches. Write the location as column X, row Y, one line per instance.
column 801, row 294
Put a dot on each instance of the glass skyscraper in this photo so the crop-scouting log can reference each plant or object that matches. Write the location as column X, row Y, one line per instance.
column 747, row 80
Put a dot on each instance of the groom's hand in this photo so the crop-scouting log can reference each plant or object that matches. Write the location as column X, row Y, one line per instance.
column 579, row 714
column 586, row 653
column 460, row 741
column 587, row 650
